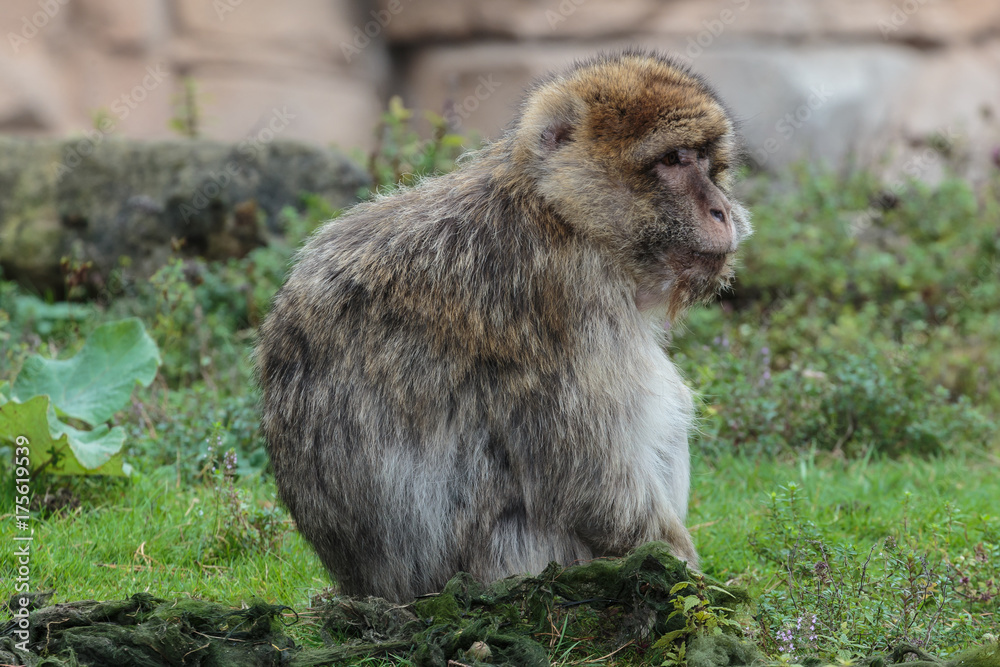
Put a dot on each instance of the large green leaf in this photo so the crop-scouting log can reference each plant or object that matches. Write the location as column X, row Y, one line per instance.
column 62, row 449
column 98, row 381
column 97, row 450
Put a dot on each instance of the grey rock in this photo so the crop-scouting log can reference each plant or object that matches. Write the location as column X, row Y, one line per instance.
column 830, row 104
column 97, row 199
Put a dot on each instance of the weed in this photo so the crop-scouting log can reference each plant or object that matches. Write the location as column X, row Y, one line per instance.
column 837, row 601
column 700, row 617
column 240, row 524
column 400, row 157
column 187, row 118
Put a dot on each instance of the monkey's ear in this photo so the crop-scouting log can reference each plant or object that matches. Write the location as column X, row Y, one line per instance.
column 550, row 120
column 556, row 134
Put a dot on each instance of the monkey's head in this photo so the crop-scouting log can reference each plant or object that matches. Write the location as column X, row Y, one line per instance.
column 637, row 154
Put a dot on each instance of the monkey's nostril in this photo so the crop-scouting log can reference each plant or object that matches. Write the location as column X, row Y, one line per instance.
column 718, row 214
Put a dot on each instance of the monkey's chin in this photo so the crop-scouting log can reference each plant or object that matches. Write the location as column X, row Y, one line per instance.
column 682, row 281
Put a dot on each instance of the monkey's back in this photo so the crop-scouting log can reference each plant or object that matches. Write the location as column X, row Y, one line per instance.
column 438, row 384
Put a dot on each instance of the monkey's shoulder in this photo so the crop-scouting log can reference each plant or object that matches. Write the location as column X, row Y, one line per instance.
column 407, row 252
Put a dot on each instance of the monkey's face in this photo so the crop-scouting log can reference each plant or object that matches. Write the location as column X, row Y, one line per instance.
column 637, row 154
column 683, row 250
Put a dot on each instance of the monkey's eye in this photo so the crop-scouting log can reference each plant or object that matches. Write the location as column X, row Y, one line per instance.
column 684, row 156
column 671, row 158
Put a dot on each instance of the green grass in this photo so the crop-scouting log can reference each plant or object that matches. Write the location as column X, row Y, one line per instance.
column 875, row 551
column 156, row 537
column 852, row 501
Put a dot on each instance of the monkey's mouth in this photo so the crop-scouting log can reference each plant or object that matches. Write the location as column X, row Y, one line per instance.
column 688, row 262
column 684, row 277
column 709, row 262
column 710, row 256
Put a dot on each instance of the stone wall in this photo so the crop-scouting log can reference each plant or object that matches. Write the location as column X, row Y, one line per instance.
column 256, row 64
column 909, row 85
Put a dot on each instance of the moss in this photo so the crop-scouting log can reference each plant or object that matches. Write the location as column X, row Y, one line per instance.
column 149, row 632
column 722, row 651
column 982, row 656
column 603, row 604
column 442, row 608
column 609, row 601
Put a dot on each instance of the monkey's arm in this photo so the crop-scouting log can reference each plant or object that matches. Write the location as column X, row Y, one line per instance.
column 637, row 459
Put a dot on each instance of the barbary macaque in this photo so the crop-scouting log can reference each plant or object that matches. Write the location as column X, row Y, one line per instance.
column 467, row 375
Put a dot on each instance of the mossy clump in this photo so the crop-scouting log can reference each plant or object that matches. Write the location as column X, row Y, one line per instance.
column 608, row 602
column 600, row 605
column 151, row 632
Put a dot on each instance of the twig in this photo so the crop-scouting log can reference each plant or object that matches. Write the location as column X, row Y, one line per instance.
column 605, row 657
column 864, row 570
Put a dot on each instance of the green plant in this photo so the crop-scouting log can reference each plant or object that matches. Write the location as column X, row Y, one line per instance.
column 178, row 326
column 872, row 400
column 25, row 315
column 171, row 428
column 62, row 407
column 837, row 601
column 187, row 118
column 241, row 525
column 102, row 120
column 400, row 157
column 197, row 315
column 837, row 263
column 700, row 617
column 203, row 313
column 76, row 277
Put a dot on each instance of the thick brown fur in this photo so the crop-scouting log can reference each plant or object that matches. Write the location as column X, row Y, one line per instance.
column 466, row 375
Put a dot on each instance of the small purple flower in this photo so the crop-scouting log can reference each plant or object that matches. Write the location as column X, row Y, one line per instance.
column 786, row 638
column 229, row 461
